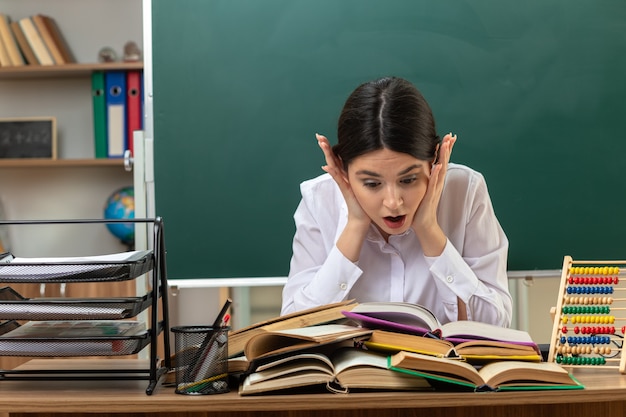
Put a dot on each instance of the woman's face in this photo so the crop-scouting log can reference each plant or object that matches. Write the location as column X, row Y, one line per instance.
column 389, row 186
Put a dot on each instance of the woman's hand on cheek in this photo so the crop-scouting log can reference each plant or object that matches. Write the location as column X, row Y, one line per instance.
column 334, row 167
column 425, row 223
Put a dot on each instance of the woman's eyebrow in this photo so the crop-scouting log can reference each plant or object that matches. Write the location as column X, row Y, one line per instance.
column 409, row 169
column 368, row 173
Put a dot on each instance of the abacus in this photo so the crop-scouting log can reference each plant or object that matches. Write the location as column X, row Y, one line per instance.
column 588, row 330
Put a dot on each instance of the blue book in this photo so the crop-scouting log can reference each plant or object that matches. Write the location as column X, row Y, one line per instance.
column 115, row 84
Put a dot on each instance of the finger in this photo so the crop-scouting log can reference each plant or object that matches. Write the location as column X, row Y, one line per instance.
column 333, row 166
column 323, row 143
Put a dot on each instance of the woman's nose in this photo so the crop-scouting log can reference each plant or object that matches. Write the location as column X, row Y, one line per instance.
column 393, row 198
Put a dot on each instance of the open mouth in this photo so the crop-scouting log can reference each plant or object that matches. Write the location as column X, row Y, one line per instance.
column 394, row 222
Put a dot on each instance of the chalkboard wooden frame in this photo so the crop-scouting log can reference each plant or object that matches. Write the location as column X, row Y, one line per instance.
column 28, row 137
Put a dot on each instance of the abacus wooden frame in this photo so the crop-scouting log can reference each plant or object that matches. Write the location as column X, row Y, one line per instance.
column 568, row 262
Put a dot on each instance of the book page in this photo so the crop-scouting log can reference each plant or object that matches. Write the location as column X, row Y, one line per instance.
column 401, row 313
column 468, row 330
column 292, row 364
column 498, row 373
column 440, row 368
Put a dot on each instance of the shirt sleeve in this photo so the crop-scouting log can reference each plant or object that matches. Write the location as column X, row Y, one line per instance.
column 473, row 264
column 319, row 273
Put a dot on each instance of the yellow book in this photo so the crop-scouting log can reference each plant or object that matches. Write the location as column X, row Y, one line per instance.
column 35, row 41
column 9, row 41
column 475, row 351
column 48, row 40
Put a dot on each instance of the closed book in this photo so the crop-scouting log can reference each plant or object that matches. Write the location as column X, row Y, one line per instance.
column 133, row 105
column 48, row 40
column 27, row 51
column 35, row 41
column 5, row 61
column 9, row 41
column 59, row 39
column 115, row 86
column 99, row 114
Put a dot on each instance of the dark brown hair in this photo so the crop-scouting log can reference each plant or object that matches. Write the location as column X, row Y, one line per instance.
column 386, row 113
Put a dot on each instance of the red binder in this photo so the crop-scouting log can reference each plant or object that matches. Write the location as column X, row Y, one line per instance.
column 134, row 117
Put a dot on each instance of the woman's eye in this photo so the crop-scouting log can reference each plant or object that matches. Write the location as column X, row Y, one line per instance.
column 371, row 184
column 408, row 180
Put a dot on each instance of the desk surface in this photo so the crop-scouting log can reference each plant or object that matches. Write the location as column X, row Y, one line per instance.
column 602, row 386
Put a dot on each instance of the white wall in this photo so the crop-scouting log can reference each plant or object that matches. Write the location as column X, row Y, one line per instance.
column 63, row 193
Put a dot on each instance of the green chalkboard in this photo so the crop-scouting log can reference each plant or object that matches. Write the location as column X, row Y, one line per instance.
column 534, row 89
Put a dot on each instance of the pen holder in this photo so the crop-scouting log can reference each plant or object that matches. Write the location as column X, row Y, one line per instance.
column 201, row 363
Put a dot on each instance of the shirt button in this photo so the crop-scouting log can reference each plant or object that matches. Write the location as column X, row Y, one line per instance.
column 450, row 279
column 343, row 285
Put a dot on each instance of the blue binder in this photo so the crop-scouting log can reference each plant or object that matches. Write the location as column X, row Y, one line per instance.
column 115, row 83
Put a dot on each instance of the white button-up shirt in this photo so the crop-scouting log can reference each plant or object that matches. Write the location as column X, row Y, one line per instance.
column 472, row 266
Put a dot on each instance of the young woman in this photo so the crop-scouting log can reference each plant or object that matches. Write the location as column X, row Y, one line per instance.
column 393, row 220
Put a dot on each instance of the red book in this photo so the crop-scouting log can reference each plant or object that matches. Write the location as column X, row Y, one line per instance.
column 133, row 105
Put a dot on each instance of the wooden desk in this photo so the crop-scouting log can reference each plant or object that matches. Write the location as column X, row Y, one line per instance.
column 605, row 394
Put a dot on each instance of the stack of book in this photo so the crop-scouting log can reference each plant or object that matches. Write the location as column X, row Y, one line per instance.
column 388, row 346
column 33, row 40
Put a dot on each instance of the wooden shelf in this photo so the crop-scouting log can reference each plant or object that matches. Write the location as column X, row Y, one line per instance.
column 60, row 71
column 59, row 163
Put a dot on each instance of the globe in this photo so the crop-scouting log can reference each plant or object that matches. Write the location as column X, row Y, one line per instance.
column 121, row 205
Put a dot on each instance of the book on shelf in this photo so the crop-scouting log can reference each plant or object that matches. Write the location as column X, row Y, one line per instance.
column 134, row 113
column 473, row 351
column 10, row 43
column 35, row 41
column 278, row 342
column 22, row 42
column 5, row 60
column 341, row 370
column 59, row 39
column 48, row 40
column 99, row 108
column 237, row 339
column 444, row 373
column 418, row 320
column 115, row 92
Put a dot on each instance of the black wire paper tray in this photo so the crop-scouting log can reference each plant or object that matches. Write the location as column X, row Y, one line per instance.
column 70, row 346
column 92, row 269
column 15, row 307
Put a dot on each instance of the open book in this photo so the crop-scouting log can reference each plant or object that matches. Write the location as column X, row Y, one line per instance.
column 317, row 315
column 418, row 320
column 271, row 343
column 495, row 376
column 340, row 371
column 473, row 351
